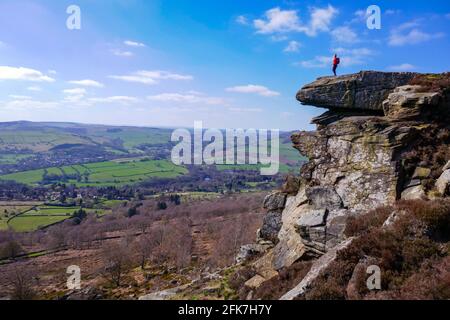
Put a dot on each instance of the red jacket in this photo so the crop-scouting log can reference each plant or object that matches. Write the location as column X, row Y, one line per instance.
column 336, row 61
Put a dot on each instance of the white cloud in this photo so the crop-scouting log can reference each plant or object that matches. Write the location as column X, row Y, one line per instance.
column 281, row 21
column 20, row 73
column 349, row 57
column 75, row 91
column 317, row 62
column 19, row 97
column 344, row 35
column 293, row 46
column 256, row 89
column 277, row 20
column 115, row 99
column 409, row 34
column 361, row 14
column 242, row 20
column 87, row 83
column 321, row 19
column 279, row 38
column 52, row 72
column 23, row 104
column 151, row 77
column 402, row 67
column 352, row 57
column 136, row 44
column 34, row 88
column 121, row 53
column 75, row 95
column 190, row 97
column 390, row 12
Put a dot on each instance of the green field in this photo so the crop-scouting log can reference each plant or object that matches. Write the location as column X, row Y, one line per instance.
column 105, row 173
column 8, row 210
column 12, row 158
column 284, row 168
column 32, row 223
column 43, row 216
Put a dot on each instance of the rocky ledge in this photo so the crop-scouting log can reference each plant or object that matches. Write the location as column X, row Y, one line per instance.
column 361, row 91
column 370, row 149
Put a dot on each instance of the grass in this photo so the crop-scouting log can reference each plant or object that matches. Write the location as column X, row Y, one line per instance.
column 31, row 177
column 43, row 216
column 38, row 140
column 109, row 173
column 12, row 158
column 284, row 168
column 9, row 210
column 133, row 137
column 33, row 223
column 289, row 159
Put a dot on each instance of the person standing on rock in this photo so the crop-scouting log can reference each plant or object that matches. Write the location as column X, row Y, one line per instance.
column 336, row 62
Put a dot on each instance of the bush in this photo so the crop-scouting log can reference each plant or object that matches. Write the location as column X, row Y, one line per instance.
column 432, row 82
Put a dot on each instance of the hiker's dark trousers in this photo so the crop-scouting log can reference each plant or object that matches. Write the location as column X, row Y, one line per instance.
column 334, row 68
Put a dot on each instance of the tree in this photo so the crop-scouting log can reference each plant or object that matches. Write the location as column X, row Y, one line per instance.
column 162, row 205
column 10, row 249
column 143, row 247
column 22, row 279
column 117, row 262
column 132, row 212
column 79, row 216
column 176, row 199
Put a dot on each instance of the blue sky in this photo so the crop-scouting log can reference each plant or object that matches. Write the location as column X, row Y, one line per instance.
column 226, row 63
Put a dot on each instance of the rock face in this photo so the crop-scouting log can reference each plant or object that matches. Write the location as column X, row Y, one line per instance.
column 356, row 164
column 274, row 203
column 362, row 91
column 443, row 183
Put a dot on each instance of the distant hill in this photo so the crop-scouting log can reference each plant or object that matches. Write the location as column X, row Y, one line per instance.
column 45, row 136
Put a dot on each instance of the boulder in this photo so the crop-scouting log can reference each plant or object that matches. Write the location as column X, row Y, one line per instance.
column 255, row 282
column 89, row 293
column 410, row 102
column 290, row 248
column 359, row 275
column 312, row 229
column 361, row 91
column 275, row 201
column 323, row 198
column 250, row 251
column 264, row 266
column 271, row 227
column 313, row 218
column 165, row 294
column 443, row 183
column 414, row 193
